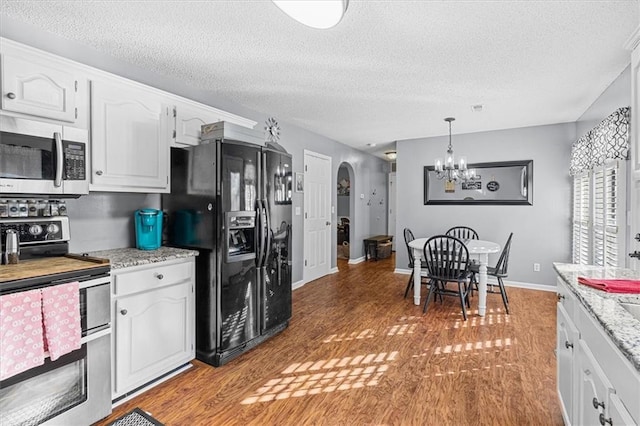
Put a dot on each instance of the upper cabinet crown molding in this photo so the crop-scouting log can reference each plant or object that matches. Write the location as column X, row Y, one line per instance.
column 90, row 73
column 633, row 41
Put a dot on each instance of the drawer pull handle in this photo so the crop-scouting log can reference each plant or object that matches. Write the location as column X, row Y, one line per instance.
column 11, row 95
column 603, row 420
column 597, row 404
column 159, row 276
column 560, row 297
column 123, row 311
column 568, row 345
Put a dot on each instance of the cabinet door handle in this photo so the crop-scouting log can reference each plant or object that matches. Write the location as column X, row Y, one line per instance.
column 159, row 276
column 560, row 297
column 568, row 345
column 604, row 420
column 123, row 311
column 99, row 172
column 597, row 404
column 11, row 95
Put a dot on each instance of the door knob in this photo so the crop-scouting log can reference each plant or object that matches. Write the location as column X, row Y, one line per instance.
column 11, row 95
column 328, row 223
column 123, row 311
column 99, row 172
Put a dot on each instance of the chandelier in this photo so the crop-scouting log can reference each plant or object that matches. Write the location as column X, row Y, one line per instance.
column 449, row 170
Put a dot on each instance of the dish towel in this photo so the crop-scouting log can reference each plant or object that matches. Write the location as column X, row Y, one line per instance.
column 61, row 313
column 612, row 286
column 21, row 337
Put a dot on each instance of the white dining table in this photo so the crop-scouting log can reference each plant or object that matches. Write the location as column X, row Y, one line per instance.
column 478, row 249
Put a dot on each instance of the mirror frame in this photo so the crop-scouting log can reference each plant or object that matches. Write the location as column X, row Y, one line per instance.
column 430, row 171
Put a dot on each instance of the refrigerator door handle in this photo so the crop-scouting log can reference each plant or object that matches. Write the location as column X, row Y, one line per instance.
column 268, row 230
column 261, row 236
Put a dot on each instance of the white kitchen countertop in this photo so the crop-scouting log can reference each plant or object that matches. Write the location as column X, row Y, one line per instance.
column 619, row 324
column 126, row 257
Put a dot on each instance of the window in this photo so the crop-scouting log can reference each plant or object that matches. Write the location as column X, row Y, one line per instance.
column 581, row 225
column 599, row 216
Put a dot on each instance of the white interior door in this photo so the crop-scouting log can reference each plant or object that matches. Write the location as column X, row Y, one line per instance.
column 391, row 222
column 317, row 215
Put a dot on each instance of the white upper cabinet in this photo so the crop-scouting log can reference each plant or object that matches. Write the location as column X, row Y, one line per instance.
column 188, row 118
column 633, row 44
column 36, row 84
column 129, row 147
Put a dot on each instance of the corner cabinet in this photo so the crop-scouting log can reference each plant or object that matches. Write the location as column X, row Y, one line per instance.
column 129, row 148
column 597, row 385
column 154, row 317
column 189, row 117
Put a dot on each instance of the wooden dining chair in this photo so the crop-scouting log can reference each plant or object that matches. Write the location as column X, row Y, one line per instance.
column 408, row 237
column 448, row 261
column 499, row 272
column 462, row 233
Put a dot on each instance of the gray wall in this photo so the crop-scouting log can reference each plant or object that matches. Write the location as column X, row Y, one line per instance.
column 617, row 95
column 96, row 213
column 541, row 231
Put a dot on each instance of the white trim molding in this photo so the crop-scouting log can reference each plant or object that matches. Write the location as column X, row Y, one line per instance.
column 297, row 285
column 633, row 41
column 493, row 281
column 356, row 261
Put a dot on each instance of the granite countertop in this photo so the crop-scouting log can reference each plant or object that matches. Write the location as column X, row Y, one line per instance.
column 623, row 328
column 126, row 257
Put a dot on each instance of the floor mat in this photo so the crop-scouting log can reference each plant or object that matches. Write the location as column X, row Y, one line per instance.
column 136, row 417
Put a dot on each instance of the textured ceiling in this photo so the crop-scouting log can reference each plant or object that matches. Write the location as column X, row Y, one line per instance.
column 391, row 70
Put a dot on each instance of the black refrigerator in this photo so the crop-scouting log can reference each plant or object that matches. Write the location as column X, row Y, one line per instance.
column 231, row 200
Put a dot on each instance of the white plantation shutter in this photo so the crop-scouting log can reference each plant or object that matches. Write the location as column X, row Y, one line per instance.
column 608, row 208
column 581, row 231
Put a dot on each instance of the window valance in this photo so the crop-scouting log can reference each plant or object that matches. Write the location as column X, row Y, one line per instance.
column 609, row 140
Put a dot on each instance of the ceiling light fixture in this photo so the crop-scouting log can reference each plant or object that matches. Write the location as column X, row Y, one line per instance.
column 321, row 14
column 449, row 170
column 391, row 155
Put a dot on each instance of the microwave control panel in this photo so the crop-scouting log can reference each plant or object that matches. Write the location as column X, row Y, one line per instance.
column 74, row 161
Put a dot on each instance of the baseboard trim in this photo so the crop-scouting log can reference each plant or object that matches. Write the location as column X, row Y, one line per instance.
column 297, row 285
column 356, row 261
column 334, row 270
column 491, row 280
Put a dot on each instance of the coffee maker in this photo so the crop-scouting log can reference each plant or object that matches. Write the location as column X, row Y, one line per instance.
column 148, row 229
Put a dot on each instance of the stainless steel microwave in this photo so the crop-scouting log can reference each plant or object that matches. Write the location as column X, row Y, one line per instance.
column 42, row 158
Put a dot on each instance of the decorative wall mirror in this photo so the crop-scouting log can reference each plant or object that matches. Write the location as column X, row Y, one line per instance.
column 506, row 182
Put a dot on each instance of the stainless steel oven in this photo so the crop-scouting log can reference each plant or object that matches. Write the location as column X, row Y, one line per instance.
column 42, row 158
column 75, row 389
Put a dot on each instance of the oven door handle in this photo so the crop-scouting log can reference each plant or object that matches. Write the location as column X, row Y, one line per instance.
column 96, row 334
column 59, row 160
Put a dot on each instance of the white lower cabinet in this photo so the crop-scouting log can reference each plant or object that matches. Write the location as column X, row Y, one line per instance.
column 597, row 385
column 593, row 388
column 567, row 340
column 154, row 315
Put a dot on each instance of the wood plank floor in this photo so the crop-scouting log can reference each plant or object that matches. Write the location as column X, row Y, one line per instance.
column 357, row 353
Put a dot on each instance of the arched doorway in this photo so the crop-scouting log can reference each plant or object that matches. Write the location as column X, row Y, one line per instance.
column 345, row 211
